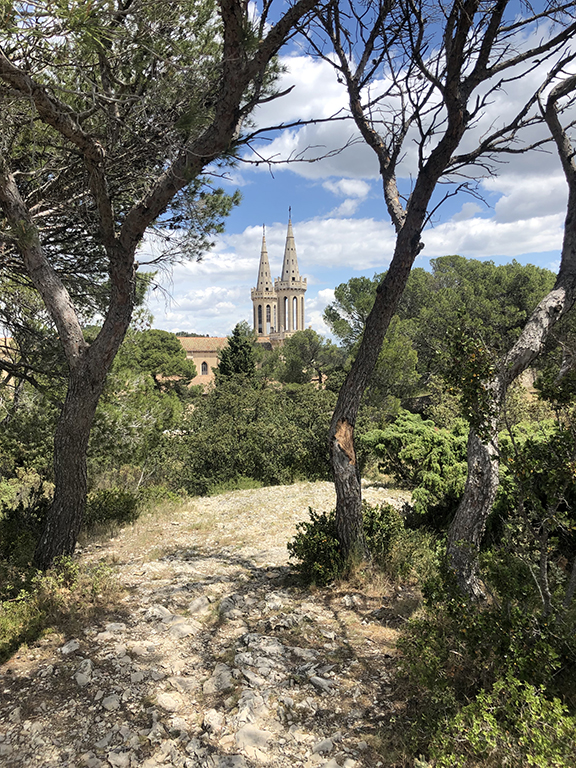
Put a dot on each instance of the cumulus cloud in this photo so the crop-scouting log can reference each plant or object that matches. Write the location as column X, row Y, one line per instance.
column 484, row 238
column 348, row 188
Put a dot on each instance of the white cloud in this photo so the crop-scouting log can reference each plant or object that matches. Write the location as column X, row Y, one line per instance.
column 348, row 188
column 467, row 212
column 346, row 208
column 483, row 238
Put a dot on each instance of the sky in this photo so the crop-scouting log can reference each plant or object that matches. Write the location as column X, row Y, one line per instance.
column 340, row 222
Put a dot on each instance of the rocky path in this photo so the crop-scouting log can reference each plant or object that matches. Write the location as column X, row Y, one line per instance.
column 214, row 658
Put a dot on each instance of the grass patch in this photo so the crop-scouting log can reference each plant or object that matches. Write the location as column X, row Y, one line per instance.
column 63, row 599
column 234, row 484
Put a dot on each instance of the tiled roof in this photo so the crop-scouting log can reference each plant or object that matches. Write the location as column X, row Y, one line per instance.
column 203, row 343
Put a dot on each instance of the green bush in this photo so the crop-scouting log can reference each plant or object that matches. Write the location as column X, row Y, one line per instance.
column 456, row 649
column 428, row 460
column 513, row 725
column 20, row 528
column 63, row 598
column 317, row 549
column 236, row 484
column 109, row 507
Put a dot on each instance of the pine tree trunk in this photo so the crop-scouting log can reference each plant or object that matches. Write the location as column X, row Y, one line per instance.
column 66, row 513
column 345, row 469
column 467, row 529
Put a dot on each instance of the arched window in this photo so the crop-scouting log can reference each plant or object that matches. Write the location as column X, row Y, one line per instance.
column 260, row 331
column 204, row 369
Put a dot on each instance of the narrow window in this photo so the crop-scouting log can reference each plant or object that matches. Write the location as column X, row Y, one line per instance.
column 204, row 369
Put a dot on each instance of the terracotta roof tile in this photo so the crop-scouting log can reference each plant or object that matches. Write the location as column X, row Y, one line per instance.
column 203, row 343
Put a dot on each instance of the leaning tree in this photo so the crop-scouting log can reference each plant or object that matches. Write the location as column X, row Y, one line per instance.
column 420, row 77
column 556, row 96
column 111, row 113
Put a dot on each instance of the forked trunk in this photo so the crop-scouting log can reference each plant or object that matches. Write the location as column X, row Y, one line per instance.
column 66, row 513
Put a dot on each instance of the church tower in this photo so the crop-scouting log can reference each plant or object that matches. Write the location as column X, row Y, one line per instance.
column 279, row 307
column 290, row 289
column 264, row 299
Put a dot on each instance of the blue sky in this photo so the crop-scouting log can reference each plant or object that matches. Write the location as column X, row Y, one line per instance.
column 340, row 222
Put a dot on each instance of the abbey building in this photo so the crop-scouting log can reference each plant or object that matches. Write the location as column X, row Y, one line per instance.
column 279, row 306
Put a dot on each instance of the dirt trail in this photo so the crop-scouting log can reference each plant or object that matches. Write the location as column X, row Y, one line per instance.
column 214, row 658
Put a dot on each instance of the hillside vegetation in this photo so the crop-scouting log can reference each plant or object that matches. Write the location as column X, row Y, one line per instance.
column 472, row 683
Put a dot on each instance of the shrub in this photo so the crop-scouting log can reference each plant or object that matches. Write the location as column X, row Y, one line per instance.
column 513, row 725
column 428, row 460
column 111, row 506
column 317, row 549
column 20, row 528
column 63, row 598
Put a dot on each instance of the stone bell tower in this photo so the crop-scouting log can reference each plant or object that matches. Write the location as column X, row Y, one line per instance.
column 279, row 307
column 290, row 288
column 264, row 299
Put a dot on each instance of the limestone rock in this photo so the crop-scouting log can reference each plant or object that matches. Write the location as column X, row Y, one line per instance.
column 111, row 703
column 220, row 681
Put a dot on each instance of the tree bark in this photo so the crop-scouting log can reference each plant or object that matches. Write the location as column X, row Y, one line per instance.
column 66, row 514
column 467, row 528
column 243, row 72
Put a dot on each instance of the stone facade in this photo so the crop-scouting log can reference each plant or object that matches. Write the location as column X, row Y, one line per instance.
column 203, row 350
column 278, row 306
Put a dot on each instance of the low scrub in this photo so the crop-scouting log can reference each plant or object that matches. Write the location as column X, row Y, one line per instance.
column 394, row 550
column 63, row 599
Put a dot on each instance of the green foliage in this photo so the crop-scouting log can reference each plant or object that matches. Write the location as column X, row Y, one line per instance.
column 114, row 506
column 306, row 356
column 456, row 651
column 245, row 430
column 533, row 522
column 21, row 523
column 429, row 460
column 513, row 724
column 469, row 370
column 236, row 484
column 316, row 549
column 158, row 353
column 237, row 359
column 346, row 316
column 63, row 599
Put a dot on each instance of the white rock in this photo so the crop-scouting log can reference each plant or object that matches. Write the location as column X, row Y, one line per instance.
column 157, row 613
column 84, row 673
column 119, row 759
column 249, row 736
column 141, row 649
column 200, row 605
column 220, row 681
column 183, row 629
column 213, row 721
column 168, row 702
column 70, row 647
column 111, row 703
column 322, row 747
column 322, row 684
column 115, row 626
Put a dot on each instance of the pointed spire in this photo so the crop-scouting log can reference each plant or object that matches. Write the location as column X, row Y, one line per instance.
column 290, row 271
column 264, row 279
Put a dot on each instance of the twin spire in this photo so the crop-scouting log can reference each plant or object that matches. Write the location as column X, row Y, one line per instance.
column 290, row 272
column 279, row 305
